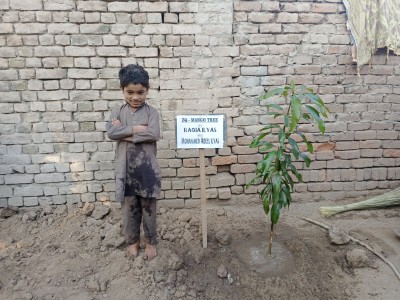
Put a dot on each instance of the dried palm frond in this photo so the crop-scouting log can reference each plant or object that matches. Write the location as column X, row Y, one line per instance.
column 391, row 198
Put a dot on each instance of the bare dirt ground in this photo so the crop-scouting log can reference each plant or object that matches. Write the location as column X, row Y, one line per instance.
column 75, row 253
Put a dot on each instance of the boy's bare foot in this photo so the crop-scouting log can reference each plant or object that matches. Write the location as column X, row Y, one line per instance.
column 150, row 252
column 133, row 250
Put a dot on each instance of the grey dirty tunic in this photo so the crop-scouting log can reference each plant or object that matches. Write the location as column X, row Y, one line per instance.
column 137, row 157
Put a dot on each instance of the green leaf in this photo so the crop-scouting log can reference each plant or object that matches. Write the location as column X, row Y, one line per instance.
column 286, row 197
column 276, row 106
column 318, row 103
column 286, row 120
column 267, row 161
column 273, row 92
column 276, row 170
column 267, row 176
column 285, row 92
column 296, row 108
column 276, row 184
column 275, row 211
column 296, row 173
column 306, row 159
column 265, row 146
column 266, row 191
column 310, row 147
column 279, row 153
column 269, row 126
column 316, row 100
column 289, row 180
column 315, row 114
column 281, row 136
column 275, row 114
column 266, row 201
column 295, row 147
column 261, row 136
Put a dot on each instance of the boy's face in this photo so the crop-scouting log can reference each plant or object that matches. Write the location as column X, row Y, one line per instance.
column 135, row 95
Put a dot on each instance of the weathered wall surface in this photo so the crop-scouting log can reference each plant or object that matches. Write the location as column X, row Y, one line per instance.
column 58, row 80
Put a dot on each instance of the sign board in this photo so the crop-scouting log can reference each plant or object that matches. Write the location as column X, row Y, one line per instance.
column 200, row 131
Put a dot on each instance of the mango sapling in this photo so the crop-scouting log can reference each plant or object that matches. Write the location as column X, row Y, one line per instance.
column 276, row 170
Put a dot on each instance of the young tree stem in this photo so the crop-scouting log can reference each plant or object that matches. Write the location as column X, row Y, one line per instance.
column 270, row 238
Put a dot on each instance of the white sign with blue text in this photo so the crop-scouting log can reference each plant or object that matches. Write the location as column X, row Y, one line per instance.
column 200, row 131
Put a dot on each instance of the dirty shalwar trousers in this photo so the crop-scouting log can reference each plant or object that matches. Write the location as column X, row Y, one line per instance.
column 134, row 209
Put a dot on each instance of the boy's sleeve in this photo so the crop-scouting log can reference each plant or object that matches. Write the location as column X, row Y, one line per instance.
column 117, row 132
column 152, row 133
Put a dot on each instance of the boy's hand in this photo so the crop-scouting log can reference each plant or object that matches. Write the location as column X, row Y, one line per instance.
column 115, row 122
column 139, row 128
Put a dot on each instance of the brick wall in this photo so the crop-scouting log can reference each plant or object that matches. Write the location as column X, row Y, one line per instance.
column 58, row 80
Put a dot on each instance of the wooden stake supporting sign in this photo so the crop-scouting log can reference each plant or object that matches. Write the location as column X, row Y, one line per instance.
column 203, row 203
column 201, row 131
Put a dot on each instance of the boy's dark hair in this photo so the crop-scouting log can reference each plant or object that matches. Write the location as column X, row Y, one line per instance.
column 133, row 74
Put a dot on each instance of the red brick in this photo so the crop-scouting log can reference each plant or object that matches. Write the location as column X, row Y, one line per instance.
column 183, row 194
column 338, row 164
column 347, row 154
column 365, row 135
column 371, row 152
column 237, row 190
column 242, row 168
column 289, row 39
column 336, row 18
column 324, row 155
column 248, row 159
column 222, row 179
column 387, row 135
column 359, row 126
column 243, row 150
column 311, row 18
column 372, row 185
column 385, row 162
column 343, row 136
column 379, row 173
column 188, row 172
column 348, row 175
column 270, row 6
column 324, row 8
column 381, row 70
column 247, row 6
column 295, row 28
column 261, row 17
column 287, row 18
column 391, row 144
column 393, row 173
column 224, row 193
column 211, row 170
column 307, row 69
column 371, row 144
column 296, row 7
column 391, row 153
column 324, row 147
column 320, row 187
column 224, row 160
column 362, row 163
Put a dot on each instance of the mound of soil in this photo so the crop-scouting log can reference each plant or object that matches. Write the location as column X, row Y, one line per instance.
column 62, row 252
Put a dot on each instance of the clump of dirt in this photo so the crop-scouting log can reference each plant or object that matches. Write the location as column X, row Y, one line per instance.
column 60, row 252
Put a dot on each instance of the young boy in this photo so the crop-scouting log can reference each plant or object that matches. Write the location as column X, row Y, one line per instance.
column 136, row 128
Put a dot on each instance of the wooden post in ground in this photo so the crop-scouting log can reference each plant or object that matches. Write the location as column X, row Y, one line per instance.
column 203, row 197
